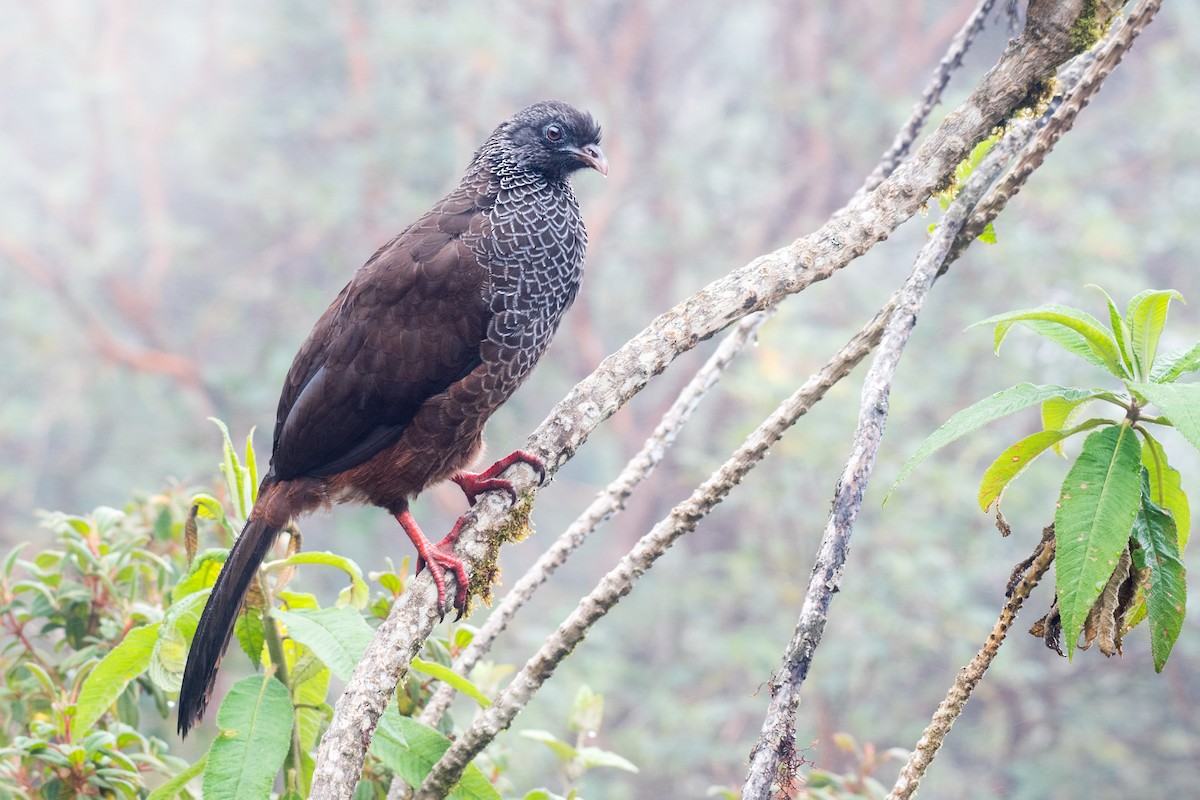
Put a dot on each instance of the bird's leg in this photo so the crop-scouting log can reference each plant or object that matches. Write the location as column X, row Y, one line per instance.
column 474, row 484
column 439, row 558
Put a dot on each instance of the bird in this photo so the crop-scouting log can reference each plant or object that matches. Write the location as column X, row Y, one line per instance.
column 390, row 391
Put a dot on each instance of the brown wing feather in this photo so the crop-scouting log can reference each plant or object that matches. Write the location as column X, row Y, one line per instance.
column 406, row 327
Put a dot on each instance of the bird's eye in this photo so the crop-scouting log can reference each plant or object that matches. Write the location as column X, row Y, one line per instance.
column 554, row 132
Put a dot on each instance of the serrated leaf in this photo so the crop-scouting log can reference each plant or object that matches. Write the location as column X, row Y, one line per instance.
column 1169, row 367
column 170, row 649
column 1166, row 487
column 1052, row 322
column 411, row 748
column 1017, row 457
column 171, row 788
column 450, row 677
column 990, row 409
column 1121, row 333
column 256, row 731
column 1166, row 592
column 110, row 677
column 564, row 751
column 595, row 757
column 1099, row 500
column 202, row 573
column 248, row 628
column 1179, row 402
column 359, row 593
column 311, row 709
column 337, row 636
column 1145, row 318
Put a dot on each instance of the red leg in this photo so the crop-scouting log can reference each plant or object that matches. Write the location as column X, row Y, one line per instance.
column 476, row 483
column 439, row 558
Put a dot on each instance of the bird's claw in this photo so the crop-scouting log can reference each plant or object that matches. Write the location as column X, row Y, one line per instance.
column 474, row 484
column 439, row 559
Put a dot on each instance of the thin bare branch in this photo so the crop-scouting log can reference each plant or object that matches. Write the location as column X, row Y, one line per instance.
column 956, row 699
column 932, row 95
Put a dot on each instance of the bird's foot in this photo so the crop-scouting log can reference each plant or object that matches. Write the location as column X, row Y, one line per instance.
column 474, row 484
column 439, row 558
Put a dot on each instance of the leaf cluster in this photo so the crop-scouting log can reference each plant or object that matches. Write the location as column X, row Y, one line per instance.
column 1122, row 518
column 97, row 629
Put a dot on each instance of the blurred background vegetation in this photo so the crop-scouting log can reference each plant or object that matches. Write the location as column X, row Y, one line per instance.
column 186, row 186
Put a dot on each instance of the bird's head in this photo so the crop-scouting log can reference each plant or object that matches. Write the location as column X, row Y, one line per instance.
column 550, row 138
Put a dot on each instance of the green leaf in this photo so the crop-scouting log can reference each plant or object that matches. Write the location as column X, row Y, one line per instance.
column 1059, row 415
column 256, row 731
column 202, row 574
column 411, row 748
column 1169, row 367
column 1001, row 404
column 1145, row 318
column 587, row 711
column 1066, row 327
column 110, row 677
column 312, row 711
column 1121, row 333
column 988, row 236
column 564, row 751
column 1092, row 525
column 1017, row 457
column 1166, row 592
column 170, row 649
column 176, row 784
column 251, row 468
column 359, row 594
column 449, row 676
column 1166, row 487
column 248, row 628
column 337, row 636
column 595, row 757
column 1179, row 402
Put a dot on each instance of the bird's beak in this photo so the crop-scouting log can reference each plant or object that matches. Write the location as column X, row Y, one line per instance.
column 593, row 156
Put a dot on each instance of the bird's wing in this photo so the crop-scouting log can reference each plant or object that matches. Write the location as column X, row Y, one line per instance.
column 406, row 327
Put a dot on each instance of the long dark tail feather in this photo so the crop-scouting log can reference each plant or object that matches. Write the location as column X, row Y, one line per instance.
column 217, row 621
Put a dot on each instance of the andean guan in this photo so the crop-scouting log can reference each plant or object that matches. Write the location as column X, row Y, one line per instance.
column 390, row 392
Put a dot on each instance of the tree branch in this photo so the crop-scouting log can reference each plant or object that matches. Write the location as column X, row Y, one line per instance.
column 774, row 755
column 950, row 708
column 932, row 95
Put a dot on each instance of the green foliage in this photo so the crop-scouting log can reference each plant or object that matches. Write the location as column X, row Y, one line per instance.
column 587, row 713
column 1121, row 502
column 95, row 634
column 78, row 621
column 256, row 730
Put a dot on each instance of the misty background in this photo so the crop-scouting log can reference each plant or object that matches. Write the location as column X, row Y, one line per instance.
column 186, row 186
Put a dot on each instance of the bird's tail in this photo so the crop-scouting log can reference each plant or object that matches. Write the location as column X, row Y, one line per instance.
column 220, row 614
